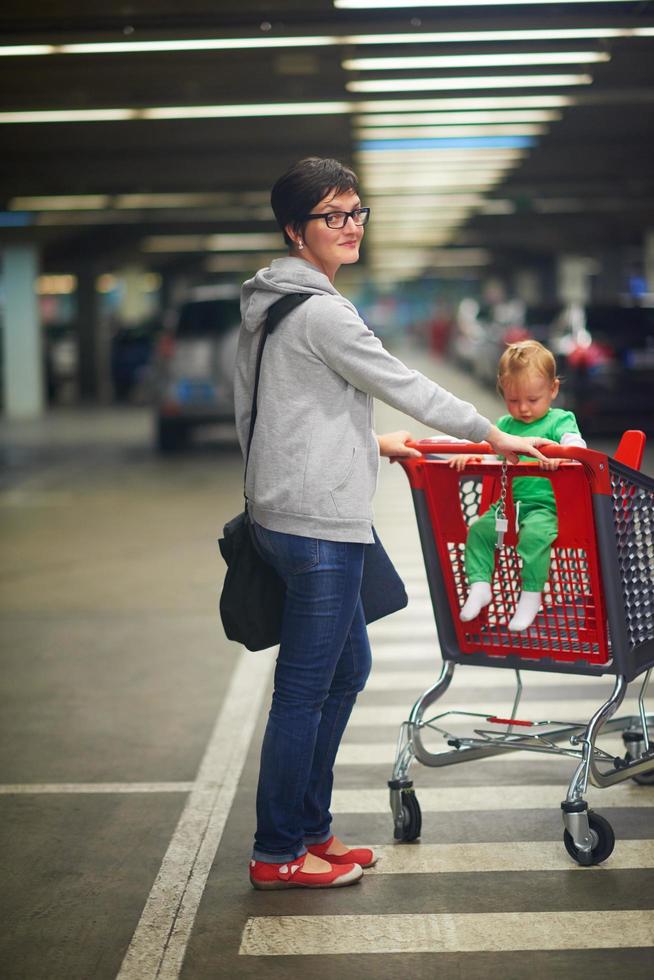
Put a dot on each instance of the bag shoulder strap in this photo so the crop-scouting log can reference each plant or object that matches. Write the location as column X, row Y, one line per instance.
column 276, row 313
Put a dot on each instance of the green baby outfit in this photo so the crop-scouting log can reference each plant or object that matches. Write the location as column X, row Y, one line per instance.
column 538, row 524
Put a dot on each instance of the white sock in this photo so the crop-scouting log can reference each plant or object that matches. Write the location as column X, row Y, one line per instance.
column 479, row 596
column 526, row 611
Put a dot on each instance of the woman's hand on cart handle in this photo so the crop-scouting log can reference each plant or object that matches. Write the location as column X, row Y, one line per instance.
column 394, row 445
column 512, row 447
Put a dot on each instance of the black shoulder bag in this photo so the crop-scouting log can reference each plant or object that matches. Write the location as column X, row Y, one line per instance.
column 252, row 598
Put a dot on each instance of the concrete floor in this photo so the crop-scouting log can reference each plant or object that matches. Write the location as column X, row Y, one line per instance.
column 130, row 730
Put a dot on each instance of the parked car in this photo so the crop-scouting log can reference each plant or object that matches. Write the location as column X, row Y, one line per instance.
column 132, row 349
column 606, row 359
column 194, row 369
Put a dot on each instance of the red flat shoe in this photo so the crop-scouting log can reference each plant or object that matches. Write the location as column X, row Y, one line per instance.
column 363, row 856
column 290, row 875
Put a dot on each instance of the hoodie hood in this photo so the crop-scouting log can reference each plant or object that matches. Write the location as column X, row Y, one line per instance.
column 283, row 276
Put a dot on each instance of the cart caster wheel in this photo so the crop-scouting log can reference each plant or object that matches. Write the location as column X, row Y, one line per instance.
column 603, row 841
column 644, row 779
column 634, row 738
column 411, row 817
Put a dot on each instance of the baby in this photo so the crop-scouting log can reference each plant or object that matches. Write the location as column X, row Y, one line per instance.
column 527, row 381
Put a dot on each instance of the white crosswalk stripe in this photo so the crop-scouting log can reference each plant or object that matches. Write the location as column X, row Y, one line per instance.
column 516, row 856
column 449, row 799
column 286, row 935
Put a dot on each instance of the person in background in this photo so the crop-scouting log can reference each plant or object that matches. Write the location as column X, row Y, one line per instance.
column 311, row 476
column 527, row 381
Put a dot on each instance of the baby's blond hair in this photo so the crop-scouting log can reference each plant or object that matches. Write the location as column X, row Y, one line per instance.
column 522, row 357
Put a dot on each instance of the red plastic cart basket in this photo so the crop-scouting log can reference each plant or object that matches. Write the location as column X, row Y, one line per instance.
column 597, row 618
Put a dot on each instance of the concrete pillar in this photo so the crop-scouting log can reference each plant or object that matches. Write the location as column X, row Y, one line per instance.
column 22, row 341
column 87, row 333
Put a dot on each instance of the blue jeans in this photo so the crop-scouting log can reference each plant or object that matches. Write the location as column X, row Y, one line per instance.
column 323, row 662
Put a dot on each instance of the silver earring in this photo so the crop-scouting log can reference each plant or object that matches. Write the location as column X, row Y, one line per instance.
column 300, row 244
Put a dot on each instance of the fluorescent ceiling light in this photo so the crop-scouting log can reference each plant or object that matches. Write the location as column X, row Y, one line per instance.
column 14, row 50
column 423, row 132
column 471, row 37
column 478, row 179
column 465, row 82
column 421, row 201
column 60, row 202
column 192, row 200
column 243, row 43
column 68, row 115
column 489, row 117
column 254, row 242
column 278, row 109
column 198, row 44
column 236, row 111
column 388, row 4
column 438, row 157
column 476, row 60
column 548, row 100
column 178, row 112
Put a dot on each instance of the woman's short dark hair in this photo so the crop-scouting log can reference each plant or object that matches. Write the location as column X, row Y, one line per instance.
column 297, row 192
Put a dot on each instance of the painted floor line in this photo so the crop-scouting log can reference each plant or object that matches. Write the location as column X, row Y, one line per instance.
column 15, row 789
column 515, row 856
column 159, row 943
column 287, row 935
column 453, row 799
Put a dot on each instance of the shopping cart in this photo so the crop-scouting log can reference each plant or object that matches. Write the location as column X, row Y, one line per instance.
column 597, row 618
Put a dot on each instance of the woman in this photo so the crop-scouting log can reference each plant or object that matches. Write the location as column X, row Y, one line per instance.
column 311, row 476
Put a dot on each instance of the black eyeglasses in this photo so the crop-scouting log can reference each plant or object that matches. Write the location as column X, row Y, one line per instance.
column 338, row 219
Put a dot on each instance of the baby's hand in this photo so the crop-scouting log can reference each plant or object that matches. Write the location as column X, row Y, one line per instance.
column 459, row 462
column 549, row 464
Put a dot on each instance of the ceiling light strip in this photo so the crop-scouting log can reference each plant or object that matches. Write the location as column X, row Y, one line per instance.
column 327, row 40
column 477, row 60
column 466, row 82
column 391, row 4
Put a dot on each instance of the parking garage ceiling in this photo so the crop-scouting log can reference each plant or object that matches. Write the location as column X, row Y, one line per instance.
column 152, row 131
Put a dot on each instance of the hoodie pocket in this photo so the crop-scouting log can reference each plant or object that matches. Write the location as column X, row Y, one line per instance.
column 349, row 495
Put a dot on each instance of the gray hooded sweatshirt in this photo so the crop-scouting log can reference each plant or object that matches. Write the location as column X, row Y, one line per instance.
column 314, row 458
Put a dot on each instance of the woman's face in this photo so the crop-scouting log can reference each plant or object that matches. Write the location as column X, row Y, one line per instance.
column 329, row 248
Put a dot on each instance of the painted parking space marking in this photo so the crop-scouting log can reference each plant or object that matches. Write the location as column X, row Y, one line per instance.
column 287, row 935
column 515, row 856
column 157, row 948
column 477, row 798
column 13, row 789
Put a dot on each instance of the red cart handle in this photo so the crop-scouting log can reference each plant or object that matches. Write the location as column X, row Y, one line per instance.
column 552, row 451
column 596, row 464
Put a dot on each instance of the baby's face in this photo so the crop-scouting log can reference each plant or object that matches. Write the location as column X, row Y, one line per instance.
column 529, row 396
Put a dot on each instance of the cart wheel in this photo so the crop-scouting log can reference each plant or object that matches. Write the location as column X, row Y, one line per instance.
column 643, row 778
column 411, row 817
column 603, row 841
